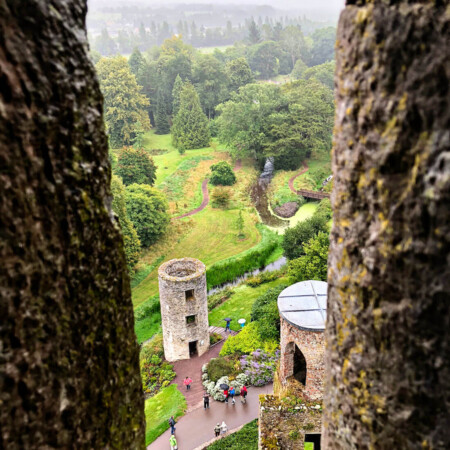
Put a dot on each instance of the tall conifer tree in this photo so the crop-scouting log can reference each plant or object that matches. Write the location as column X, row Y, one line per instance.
column 176, row 94
column 190, row 126
column 161, row 115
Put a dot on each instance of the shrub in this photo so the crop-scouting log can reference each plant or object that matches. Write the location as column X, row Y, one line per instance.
column 222, row 174
column 214, row 338
column 313, row 264
column 221, row 197
column 264, row 277
column 294, row 238
column 247, row 341
column 324, row 208
column 221, row 367
column 219, row 297
column 259, row 367
column 135, row 166
column 147, row 208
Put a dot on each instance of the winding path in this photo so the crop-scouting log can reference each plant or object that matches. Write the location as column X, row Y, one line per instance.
column 317, row 195
column 204, row 204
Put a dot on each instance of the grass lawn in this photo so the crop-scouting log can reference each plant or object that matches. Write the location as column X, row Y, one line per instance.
column 309, row 446
column 158, row 409
column 239, row 306
column 246, row 438
column 147, row 327
column 211, row 238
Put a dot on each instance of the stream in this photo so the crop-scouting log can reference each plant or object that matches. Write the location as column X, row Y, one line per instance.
column 260, row 200
column 278, row 264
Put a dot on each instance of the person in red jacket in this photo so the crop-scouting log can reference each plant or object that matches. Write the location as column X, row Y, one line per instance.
column 244, row 394
column 225, row 392
column 187, row 382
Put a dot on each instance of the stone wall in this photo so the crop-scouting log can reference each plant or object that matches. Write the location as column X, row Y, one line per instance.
column 388, row 329
column 312, row 345
column 176, row 277
column 69, row 365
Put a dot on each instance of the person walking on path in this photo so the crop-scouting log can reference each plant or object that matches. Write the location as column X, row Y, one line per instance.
column 225, row 392
column 224, row 427
column 217, row 429
column 206, row 400
column 187, row 382
column 173, row 443
column 244, row 394
column 232, row 393
column 172, row 425
column 227, row 326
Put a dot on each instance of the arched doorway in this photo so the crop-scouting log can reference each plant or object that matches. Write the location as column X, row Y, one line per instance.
column 299, row 366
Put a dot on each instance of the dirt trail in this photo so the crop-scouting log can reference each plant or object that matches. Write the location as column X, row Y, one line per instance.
column 291, row 181
column 204, row 204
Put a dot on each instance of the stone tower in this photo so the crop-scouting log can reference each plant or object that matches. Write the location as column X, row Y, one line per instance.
column 184, row 308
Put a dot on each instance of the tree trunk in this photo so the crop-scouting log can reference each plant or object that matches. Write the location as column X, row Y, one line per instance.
column 69, row 369
column 388, row 376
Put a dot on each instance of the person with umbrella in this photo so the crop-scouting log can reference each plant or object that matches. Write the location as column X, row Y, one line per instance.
column 227, row 327
column 225, row 388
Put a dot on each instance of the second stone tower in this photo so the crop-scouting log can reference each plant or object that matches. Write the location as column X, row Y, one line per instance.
column 184, row 308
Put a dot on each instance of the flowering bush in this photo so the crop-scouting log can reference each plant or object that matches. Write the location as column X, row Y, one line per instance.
column 216, row 392
column 260, row 366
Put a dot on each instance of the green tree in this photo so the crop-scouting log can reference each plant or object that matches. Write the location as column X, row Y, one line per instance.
column 190, row 126
column 323, row 73
column 239, row 73
column 161, row 115
column 264, row 59
column 222, row 173
column 254, row 35
column 124, row 105
column 304, row 123
column 293, row 42
column 130, row 237
column 136, row 62
column 147, row 209
column 138, row 141
column 244, row 120
column 313, row 264
column 210, row 81
column 323, row 46
column 220, row 197
column 135, row 166
column 240, row 226
column 299, row 69
column 294, row 238
column 176, row 94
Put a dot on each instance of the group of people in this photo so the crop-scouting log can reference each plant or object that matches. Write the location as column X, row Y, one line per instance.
column 232, row 392
column 219, row 428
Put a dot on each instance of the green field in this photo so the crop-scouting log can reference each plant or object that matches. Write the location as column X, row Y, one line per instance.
column 158, row 409
column 239, row 306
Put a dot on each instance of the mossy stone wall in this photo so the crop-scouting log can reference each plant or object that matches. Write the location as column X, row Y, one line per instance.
column 388, row 346
column 69, row 364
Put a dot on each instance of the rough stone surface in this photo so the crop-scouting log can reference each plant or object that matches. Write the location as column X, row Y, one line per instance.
column 176, row 278
column 284, row 421
column 286, row 210
column 312, row 345
column 387, row 364
column 69, row 368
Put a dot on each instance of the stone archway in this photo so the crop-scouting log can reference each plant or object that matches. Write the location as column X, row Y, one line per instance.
column 295, row 362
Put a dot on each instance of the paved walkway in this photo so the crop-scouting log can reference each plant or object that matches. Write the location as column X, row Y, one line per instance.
column 193, row 368
column 197, row 427
column 204, row 204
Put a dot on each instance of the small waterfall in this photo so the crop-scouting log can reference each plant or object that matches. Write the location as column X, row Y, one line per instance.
column 259, row 196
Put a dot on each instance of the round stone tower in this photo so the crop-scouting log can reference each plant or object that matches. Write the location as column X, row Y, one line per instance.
column 184, row 308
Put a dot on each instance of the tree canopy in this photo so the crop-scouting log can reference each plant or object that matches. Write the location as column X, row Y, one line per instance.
column 130, row 237
column 222, row 173
column 190, row 125
column 135, row 166
column 147, row 209
column 124, row 105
